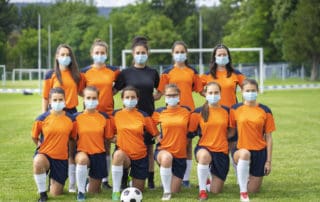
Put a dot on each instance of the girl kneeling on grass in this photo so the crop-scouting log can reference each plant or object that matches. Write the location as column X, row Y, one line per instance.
column 171, row 151
column 93, row 129
column 255, row 123
column 51, row 132
column 131, row 151
column 212, row 122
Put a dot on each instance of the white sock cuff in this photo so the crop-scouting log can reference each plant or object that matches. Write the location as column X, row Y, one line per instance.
column 79, row 166
column 165, row 171
column 117, row 168
column 72, row 165
column 243, row 162
column 202, row 166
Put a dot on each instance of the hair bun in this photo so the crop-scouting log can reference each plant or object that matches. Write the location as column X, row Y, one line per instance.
column 140, row 39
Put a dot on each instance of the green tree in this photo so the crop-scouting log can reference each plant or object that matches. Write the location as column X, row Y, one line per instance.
column 8, row 20
column 251, row 25
column 300, row 34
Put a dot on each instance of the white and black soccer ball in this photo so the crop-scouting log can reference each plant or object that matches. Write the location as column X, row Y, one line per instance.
column 131, row 194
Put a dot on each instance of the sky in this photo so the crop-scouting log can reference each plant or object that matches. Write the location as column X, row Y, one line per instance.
column 115, row 3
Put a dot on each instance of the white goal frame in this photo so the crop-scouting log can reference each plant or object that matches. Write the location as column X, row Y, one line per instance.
column 205, row 50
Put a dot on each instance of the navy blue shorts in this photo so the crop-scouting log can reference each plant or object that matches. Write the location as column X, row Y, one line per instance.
column 179, row 165
column 219, row 165
column 58, row 170
column 257, row 162
column 140, row 168
column 98, row 168
column 148, row 139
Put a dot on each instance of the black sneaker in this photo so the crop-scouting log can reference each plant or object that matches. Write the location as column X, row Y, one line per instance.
column 43, row 197
column 106, row 185
column 151, row 184
column 81, row 196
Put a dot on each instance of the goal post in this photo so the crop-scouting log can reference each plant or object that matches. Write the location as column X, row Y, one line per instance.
column 3, row 74
column 205, row 50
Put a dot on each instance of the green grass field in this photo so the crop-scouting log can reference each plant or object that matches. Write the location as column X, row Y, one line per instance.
column 295, row 166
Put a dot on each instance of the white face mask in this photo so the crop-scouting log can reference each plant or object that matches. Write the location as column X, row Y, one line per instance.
column 91, row 104
column 213, row 99
column 180, row 57
column 250, row 96
column 58, row 106
column 64, row 60
column 141, row 59
column 130, row 103
column 99, row 59
column 172, row 101
column 222, row 60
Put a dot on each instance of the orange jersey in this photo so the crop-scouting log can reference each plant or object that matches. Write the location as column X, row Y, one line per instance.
column 174, row 129
column 69, row 86
column 187, row 80
column 228, row 85
column 54, row 132
column 214, row 132
column 252, row 123
column 93, row 129
column 130, row 127
column 103, row 79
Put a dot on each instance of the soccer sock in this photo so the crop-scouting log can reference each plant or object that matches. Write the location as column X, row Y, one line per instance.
column 40, row 180
column 105, row 179
column 81, row 177
column 151, row 176
column 166, row 177
column 117, row 172
column 203, row 172
column 188, row 170
column 72, row 174
column 243, row 174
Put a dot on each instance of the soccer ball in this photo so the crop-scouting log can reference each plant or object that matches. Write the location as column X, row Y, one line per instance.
column 131, row 194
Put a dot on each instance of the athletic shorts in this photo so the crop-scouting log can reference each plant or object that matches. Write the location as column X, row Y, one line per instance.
column 98, row 168
column 140, row 168
column 219, row 165
column 148, row 139
column 58, row 170
column 179, row 165
column 257, row 162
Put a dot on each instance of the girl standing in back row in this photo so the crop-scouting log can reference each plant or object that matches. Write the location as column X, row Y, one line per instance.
column 188, row 81
column 102, row 76
column 146, row 80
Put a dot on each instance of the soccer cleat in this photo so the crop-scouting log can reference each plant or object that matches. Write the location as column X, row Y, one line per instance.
column 203, row 195
column 151, row 184
column 166, row 197
column 116, row 196
column 81, row 197
column 72, row 188
column 244, row 197
column 106, row 185
column 186, row 184
column 43, row 197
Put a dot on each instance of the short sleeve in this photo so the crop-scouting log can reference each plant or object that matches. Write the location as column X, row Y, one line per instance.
column 155, row 117
column 197, row 83
column 74, row 131
column 109, row 129
column 120, row 82
column 232, row 120
column 164, row 80
column 82, row 83
column 194, row 121
column 270, row 124
column 150, row 126
column 36, row 129
column 156, row 80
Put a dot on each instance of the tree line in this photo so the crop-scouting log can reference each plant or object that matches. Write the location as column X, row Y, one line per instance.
column 287, row 30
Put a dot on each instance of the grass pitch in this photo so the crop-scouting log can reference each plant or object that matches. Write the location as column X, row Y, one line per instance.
column 295, row 164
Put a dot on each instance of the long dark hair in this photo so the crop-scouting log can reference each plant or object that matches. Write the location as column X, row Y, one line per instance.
column 205, row 108
column 213, row 65
column 140, row 41
column 185, row 47
column 73, row 66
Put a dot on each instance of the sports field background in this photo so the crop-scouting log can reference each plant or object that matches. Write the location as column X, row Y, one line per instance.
column 295, row 163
